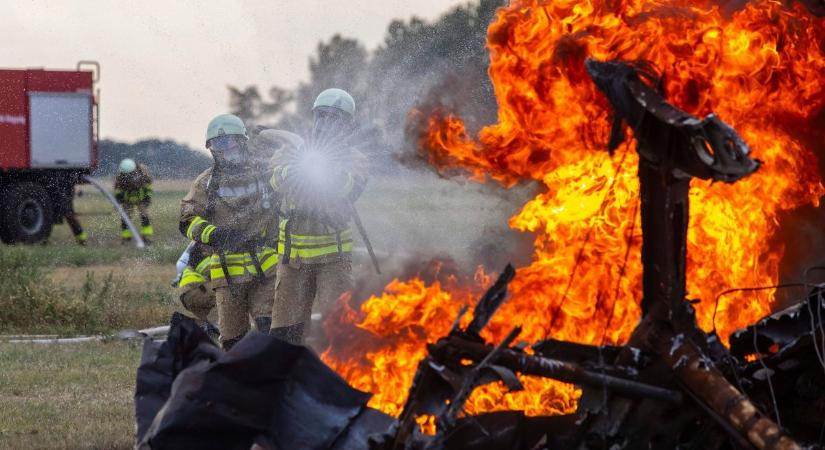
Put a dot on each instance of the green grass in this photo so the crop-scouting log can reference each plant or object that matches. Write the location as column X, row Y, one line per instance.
column 98, row 291
column 80, row 395
column 102, row 223
column 69, row 396
column 30, row 304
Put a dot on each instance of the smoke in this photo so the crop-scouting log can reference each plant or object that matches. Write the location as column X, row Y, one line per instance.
column 802, row 231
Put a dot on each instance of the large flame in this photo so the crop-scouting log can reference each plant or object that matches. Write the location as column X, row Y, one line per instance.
column 760, row 69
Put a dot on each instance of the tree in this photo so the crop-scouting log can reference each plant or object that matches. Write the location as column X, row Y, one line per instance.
column 164, row 159
column 249, row 105
column 419, row 64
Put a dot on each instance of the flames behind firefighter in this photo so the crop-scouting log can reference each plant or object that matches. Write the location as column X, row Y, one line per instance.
column 133, row 190
column 317, row 184
column 229, row 210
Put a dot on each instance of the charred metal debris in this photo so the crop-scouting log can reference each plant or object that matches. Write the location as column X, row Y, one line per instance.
column 672, row 386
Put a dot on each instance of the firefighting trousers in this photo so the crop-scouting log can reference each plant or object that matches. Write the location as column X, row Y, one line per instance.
column 146, row 229
column 240, row 303
column 298, row 288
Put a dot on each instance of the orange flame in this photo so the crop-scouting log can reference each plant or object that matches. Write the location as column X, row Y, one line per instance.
column 761, row 70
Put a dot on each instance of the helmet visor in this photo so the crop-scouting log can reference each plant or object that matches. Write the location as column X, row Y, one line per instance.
column 224, row 144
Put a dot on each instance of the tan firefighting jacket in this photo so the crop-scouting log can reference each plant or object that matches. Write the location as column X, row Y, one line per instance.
column 307, row 237
column 243, row 203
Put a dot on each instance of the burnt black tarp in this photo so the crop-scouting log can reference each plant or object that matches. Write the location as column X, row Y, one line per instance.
column 263, row 391
column 161, row 362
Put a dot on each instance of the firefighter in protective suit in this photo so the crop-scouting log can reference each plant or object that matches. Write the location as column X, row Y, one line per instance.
column 133, row 190
column 229, row 211
column 316, row 186
column 192, row 283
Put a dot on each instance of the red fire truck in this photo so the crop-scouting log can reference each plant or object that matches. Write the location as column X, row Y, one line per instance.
column 48, row 142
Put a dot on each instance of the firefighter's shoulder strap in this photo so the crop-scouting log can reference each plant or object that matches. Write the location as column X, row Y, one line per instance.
column 212, row 186
column 291, row 217
column 252, row 248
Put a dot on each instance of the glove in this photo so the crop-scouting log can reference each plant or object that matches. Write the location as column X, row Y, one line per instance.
column 223, row 238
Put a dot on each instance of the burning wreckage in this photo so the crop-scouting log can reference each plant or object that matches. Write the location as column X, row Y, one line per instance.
column 671, row 385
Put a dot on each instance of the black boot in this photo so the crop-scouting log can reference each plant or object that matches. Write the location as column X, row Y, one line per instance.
column 294, row 334
column 263, row 323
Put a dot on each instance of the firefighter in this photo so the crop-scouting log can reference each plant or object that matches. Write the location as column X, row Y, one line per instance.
column 133, row 190
column 64, row 207
column 317, row 187
column 229, row 210
column 192, row 283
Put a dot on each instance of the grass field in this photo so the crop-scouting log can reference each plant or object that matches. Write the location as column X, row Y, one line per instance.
column 67, row 397
column 80, row 395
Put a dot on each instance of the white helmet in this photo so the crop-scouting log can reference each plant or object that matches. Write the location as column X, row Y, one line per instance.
column 225, row 124
column 128, row 165
column 336, row 98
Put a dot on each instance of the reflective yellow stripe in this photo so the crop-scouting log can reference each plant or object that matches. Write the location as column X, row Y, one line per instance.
column 324, row 239
column 198, row 220
column 240, row 264
column 307, row 247
column 190, row 276
column 134, row 197
column 315, row 251
column 148, row 230
column 275, row 181
column 241, row 258
column 346, row 234
column 202, row 266
column 206, row 234
column 126, row 233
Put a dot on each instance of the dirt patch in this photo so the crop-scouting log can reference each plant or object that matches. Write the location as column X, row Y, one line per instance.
column 133, row 273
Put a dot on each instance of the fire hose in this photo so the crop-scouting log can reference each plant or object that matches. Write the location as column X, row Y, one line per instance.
column 153, row 332
column 135, row 235
column 363, row 232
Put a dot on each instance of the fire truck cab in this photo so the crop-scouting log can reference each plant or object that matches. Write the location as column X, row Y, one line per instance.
column 48, row 141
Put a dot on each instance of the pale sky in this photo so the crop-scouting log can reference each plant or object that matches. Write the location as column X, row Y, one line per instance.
column 165, row 64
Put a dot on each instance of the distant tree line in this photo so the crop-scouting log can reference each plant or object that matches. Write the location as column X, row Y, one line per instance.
column 419, row 65
column 164, row 159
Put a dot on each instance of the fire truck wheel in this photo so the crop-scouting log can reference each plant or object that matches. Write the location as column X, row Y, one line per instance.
column 26, row 214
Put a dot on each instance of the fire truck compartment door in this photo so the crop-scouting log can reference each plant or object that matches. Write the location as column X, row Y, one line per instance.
column 60, row 129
